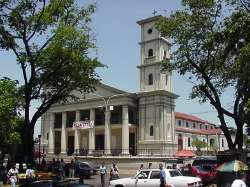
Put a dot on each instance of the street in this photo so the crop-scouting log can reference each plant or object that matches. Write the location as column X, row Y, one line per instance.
column 96, row 180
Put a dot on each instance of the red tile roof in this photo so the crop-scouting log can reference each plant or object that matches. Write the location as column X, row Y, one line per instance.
column 199, row 131
column 189, row 117
column 185, row 153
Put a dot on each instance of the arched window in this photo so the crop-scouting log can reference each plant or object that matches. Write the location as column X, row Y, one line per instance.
column 189, row 143
column 150, row 79
column 212, row 142
column 222, row 142
column 164, row 54
column 166, row 79
column 151, row 131
column 194, row 126
column 150, row 53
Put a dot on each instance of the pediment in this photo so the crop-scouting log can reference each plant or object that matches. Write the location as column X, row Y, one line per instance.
column 102, row 90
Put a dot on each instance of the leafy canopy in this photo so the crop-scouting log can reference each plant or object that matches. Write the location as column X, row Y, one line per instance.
column 10, row 120
column 212, row 48
column 198, row 144
column 52, row 41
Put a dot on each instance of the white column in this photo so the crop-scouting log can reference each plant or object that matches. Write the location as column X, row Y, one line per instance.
column 63, row 134
column 77, row 134
column 92, row 132
column 51, row 134
column 125, row 131
column 107, row 132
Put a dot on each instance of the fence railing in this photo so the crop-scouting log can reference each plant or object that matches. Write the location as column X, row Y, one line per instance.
column 116, row 152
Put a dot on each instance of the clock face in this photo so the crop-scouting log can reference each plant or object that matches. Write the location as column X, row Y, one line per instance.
column 150, row 31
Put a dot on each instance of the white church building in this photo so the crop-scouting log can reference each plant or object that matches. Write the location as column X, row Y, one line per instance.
column 111, row 121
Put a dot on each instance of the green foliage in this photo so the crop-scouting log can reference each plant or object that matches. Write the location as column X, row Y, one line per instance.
column 198, row 144
column 10, row 121
column 52, row 41
column 212, row 48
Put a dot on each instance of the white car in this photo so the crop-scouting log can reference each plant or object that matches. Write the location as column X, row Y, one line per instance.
column 151, row 178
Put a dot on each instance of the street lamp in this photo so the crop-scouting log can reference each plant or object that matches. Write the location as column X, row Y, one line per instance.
column 39, row 149
column 107, row 121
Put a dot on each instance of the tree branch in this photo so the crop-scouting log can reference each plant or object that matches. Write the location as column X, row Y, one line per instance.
column 245, row 6
column 38, row 22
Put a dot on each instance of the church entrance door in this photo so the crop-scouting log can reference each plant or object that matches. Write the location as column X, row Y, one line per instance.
column 180, row 142
column 99, row 142
column 132, row 144
column 71, row 143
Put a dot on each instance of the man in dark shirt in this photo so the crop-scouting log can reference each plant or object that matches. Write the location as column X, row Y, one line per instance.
column 162, row 176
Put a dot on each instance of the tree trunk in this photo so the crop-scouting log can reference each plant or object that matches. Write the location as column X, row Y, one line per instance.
column 227, row 135
column 28, row 143
column 239, row 137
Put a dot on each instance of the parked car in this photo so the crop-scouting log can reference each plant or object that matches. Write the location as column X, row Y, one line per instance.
column 50, row 183
column 179, row 163
column 151, row 177
column 212, row 161
column 84, row 169
column 207, row 173
column 205, row 168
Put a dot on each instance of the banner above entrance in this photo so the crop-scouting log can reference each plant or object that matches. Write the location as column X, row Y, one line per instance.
column 87, row 124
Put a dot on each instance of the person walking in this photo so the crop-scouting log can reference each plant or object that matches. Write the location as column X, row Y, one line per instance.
column 141, row 168
column 12, row 175
column 72, row 169
column 103, row 172
column 61, row 169
column 162, row 176
column 240, row 181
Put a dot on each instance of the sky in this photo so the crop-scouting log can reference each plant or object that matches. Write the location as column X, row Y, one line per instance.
column 117, row 36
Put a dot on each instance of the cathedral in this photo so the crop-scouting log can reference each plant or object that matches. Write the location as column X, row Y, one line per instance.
column 114, row 122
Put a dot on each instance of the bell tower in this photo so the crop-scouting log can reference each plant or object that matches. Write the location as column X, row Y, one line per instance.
column 156, row 97
column 154, row 49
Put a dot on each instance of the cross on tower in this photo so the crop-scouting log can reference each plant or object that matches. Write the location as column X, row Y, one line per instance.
column 154, row 12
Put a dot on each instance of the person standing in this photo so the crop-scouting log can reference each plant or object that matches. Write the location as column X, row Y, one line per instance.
column 43, row 165
column 29, row 174
column 114, row 172
column 162, row 176
column 12, row 175
column 103, row 172
column 240, row 181
column 149, row 165
column 72, row 169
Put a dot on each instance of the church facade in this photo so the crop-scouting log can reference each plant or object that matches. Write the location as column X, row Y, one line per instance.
column 115, row 122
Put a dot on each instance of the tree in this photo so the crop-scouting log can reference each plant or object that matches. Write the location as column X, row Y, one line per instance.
column 198, row 144
column 213, row 50
column 51, row 41
column 10, row 119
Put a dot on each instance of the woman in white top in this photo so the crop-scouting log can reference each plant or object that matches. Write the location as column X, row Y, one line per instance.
column 240, row 182
column 12, row 175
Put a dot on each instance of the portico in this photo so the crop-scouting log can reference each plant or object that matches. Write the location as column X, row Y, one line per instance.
column 110, row 134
